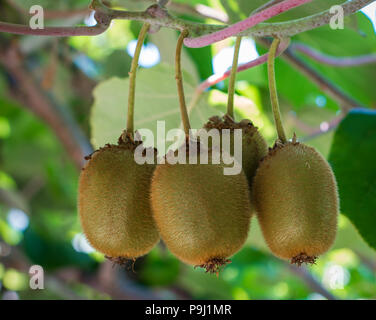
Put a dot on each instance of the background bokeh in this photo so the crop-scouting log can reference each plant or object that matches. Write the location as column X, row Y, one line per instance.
column 60, row 98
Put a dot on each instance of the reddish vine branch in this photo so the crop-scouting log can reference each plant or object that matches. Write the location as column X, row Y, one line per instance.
column 332, row 60
column 216, row 78
column 313, row 132
column 345, row 101
column 331, row 89
column 241, row 26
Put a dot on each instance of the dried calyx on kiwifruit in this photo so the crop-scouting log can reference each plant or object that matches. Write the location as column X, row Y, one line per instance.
column 203, row 216
column 296, row 199
column 254, row 146
column 114, row 201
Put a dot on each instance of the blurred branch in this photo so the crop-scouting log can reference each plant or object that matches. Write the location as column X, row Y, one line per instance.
column 29, row 94
column 310, row 281
column 343, row 99
column 15, row 259
column 49, row 74
column 315, row 132
column 107, row 279
column 370, row 263
column 32, row 187
column 110, row 280
column 331, row 60
column 14, row 199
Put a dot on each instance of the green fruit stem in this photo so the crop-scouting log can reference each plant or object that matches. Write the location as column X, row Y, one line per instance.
column 179, row 82
column 132, row 77
column 231, row 85
column 273, row 91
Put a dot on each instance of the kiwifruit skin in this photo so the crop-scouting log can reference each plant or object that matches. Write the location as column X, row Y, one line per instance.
column 254, row 149
column 296, row 199
column 254, row 146
column 201, row 214
column 114, row 203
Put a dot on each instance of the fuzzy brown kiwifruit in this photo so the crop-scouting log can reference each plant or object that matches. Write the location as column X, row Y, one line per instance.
column 296, row 199
column 114, row 202
column 203, row 216
column 254, row 146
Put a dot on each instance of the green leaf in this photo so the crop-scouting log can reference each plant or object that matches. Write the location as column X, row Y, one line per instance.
column 117, row 64
column 156, row 100
column 354, row 163
column 202, row 57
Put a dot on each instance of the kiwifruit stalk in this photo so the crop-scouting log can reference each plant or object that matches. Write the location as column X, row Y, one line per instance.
column 203, row 216
column 296, row 199
column 254, row 146
column 113, row 202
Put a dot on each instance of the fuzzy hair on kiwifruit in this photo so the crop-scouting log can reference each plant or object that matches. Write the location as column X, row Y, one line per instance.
column 114, row 202
column 203, row 216
column 296, row 199
column 254, row 146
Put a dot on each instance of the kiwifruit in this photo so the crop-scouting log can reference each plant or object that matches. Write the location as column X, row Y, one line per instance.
column 296, row 199
column 254, row 146
column 203, row 216
column 114, row 202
